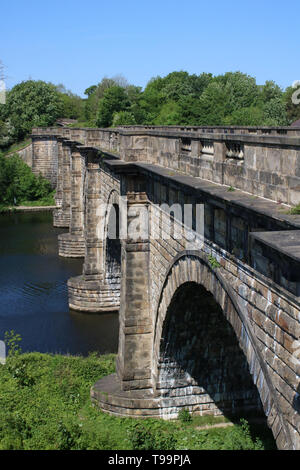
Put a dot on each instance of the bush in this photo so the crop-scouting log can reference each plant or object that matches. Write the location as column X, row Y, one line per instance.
column 18, row 183
column 31, row 104
column 143, row 437
column 295, row 210
column 184, row 415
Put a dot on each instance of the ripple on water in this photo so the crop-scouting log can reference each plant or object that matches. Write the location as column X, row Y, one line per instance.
column 33, row 292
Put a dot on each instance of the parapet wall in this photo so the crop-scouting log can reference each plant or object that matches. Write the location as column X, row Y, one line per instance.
column 264, row 162
column 24, row 153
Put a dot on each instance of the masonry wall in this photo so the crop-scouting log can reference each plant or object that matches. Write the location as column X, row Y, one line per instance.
column 25, row 154
column 45, row 157
column 273, row 311
column 261, row 161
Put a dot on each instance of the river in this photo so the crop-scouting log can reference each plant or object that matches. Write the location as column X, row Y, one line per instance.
column 33, row 291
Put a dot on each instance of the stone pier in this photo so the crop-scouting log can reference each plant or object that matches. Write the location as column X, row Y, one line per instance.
column 98, row 289
column 72, row 244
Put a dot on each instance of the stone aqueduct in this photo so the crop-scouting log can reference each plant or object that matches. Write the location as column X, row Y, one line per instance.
column 214, row 328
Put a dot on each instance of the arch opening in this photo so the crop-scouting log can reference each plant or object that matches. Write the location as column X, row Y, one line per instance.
column 113, row 249
column 201, row 365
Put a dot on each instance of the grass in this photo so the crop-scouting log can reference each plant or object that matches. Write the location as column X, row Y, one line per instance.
column 295, row 210
column 45, row 404
column 45, row 201
column 17, row 146
column 4, row 209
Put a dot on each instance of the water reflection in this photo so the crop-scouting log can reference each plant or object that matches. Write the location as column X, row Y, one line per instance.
column 33, row 292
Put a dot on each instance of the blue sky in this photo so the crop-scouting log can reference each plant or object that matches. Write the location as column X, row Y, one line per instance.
column 79, row 42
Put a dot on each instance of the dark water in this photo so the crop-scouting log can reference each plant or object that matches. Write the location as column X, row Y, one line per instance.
column 33, row 291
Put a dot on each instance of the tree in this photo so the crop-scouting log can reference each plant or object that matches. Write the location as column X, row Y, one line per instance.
column 123, row 118
column 241, row 91
column 275, row 113
column 72, row 105
column 114, row 100
column 89, row 91
column 96, row 92
column 292, row 108
column 212, row 105
column 169, row 114
column 252, row 116
column 269, row 91
column 30, row 104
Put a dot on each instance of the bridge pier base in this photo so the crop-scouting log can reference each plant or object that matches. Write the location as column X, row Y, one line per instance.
column 92, row 296
column 71, row 246
column 107, row 394
column 60, row 218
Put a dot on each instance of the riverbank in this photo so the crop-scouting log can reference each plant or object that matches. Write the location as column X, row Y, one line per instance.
column 45, row 404
column 5, row 209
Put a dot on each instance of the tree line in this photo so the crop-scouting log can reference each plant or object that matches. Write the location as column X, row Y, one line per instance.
column 179, row 98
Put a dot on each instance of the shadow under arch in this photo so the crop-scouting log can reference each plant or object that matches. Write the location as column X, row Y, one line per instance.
column 112, row 243
column 192, row 268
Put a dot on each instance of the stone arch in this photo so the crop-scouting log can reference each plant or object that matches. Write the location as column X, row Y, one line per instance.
column 112, row 246
column 193, row 267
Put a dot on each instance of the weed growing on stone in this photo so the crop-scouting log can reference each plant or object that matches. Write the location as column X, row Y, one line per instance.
column 213, row 262
column 295, row 210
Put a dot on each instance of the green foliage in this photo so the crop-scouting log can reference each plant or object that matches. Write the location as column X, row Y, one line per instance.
column 212, row 105
column 179, row 98
column 18, row 146
column 123, row 118
column 295, row 210
column 142, row 438
column 269, row 91
column 12, row 341
column 95, row 93
column 72, row 105
column 30, row 104
column 292, row 110
column 241, row 90
column 18, row 183
column 275, row 113
column 213, row 262
column 145, row 437
column 239, row 438
column 252, row 116
column 45, row 404
column 113, row 101
column 184, row 415
column 169, row 114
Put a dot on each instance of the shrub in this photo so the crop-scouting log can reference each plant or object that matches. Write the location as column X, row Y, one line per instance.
column 143, row 437
column 18, row 183
column 295, row 210
column 184, row 415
